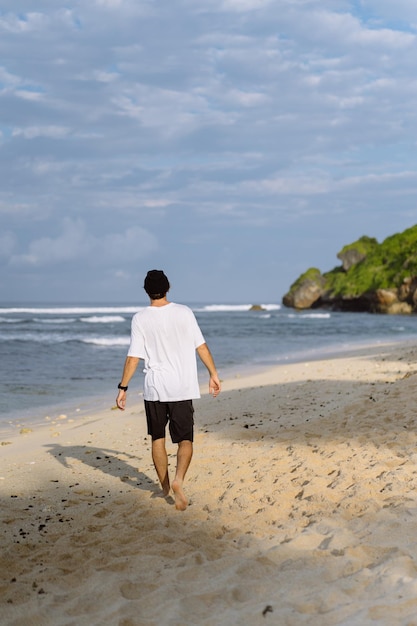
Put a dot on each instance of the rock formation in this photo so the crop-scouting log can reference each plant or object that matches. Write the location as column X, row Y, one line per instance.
column 308, row 289
column 379, row 278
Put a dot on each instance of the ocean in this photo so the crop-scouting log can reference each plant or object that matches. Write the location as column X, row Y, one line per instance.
column 57, row 358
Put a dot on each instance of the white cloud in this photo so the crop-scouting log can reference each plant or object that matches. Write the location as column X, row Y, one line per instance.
column 7, row 243
column 246, row 98
column 76, row 244
column 349, row 29
column 111, row 4
column 156, row 203
column 71, row 244
column 42, row 166
column 379, row 180
column 170, row 112
column 25, row 94
column 126, row 8
column 13, row 23
column 10, row 208
column 400, row 10
column 319, row 182
column 292, row 184
column 131, row 245
column 32, row 132
column 245, row 5
column 7, row 79
column 99, row 76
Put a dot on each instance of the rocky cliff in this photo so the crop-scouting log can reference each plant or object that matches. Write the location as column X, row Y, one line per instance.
column 374, row 277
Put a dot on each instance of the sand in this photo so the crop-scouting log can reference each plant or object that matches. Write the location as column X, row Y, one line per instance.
column 303, row 507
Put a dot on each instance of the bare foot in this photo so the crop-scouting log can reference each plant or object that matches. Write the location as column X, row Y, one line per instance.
column 181, row 501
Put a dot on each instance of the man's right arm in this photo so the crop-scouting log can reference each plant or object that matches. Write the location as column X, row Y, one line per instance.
column 129, row 369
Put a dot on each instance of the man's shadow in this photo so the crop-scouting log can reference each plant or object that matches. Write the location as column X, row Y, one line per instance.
column 107, row 461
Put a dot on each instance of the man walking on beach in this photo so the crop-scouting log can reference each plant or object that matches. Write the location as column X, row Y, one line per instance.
column 166, row 336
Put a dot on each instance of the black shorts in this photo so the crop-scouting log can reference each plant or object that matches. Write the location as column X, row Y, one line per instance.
column 179, row 414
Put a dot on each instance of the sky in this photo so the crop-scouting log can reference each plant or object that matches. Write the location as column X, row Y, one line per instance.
column 231, row 143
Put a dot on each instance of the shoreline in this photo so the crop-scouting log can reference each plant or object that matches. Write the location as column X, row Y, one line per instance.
column 78, row 407
column 302, row 499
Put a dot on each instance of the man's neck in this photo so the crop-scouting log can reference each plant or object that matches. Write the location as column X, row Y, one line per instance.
column 159, row 302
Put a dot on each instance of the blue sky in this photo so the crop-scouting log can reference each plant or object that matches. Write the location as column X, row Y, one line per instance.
column 232, row 143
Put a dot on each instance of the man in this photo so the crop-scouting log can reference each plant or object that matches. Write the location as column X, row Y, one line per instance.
column 166, row 336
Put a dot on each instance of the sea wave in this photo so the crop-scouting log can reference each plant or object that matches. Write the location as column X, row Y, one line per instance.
column 36, row 337
column 55, row 320
column 71, row 310
column 324, row 316
column 232, row 308
column 54, row 338
column 122, row 310
column 11, row 320
column 108, row 341
column 105, row 319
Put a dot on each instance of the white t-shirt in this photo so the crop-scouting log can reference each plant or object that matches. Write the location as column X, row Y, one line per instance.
column 166, row 338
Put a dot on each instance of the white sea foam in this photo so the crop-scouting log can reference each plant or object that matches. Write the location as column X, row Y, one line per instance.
column 233, row 308
column 55, row 320
column 105, row 319
column 10, row 320
column 56, row 337
column 324, row 316
column 38, row 337
column 72, row 310
column 120, row 310
column 108, row 341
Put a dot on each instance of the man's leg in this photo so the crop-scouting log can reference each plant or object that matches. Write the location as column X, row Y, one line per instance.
column 160, row 460
column 184, row 456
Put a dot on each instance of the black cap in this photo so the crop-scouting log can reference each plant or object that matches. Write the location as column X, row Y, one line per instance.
column 156, row 283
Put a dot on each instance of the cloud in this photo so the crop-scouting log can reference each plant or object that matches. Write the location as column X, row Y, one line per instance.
column 31, row 132
column 12, row 209
column 127, row 7
column 7, row 243
column 133, row 244
column 402, row 13
column 244, row 5
column 17, row 24
column 7, row 79
column 199, row 121
column 76, row 245
column 343, row 29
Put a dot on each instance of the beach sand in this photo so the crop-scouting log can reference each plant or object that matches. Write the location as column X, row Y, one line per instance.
column 303, row 507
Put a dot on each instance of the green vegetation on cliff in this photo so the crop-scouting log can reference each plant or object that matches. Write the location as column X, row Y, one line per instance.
column 312, row 275
column 384, row 265
column 363, row 246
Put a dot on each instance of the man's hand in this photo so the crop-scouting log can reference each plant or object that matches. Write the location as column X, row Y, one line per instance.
column 121, row 400
column 214, row 385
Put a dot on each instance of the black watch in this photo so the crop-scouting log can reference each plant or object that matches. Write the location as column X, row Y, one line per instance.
column 120, row 386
